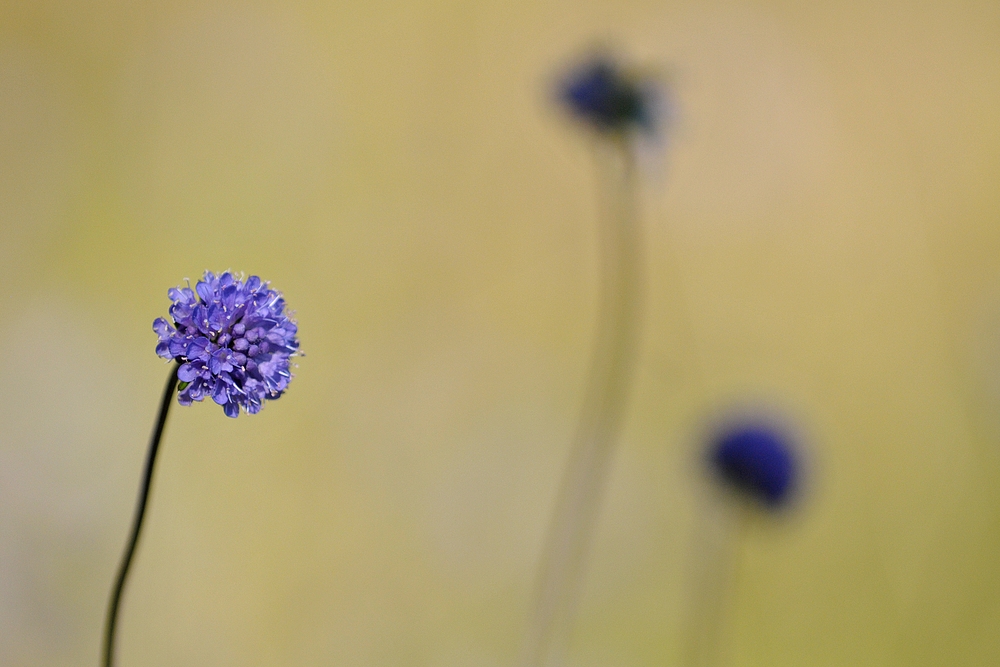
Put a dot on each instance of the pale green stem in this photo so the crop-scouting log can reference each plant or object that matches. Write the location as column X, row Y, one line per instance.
column 719, row 538
column 604, row 405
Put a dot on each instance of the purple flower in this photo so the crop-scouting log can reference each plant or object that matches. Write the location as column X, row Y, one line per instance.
column 232, row 339
column 609, row 98
column 757, row 459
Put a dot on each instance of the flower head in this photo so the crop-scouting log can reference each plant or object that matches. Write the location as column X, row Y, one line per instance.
column 232, row 339
column 601, row 93
column 757, row 460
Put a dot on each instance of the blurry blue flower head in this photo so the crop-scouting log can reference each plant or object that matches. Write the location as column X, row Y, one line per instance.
column 757, row 460
column 607, row 97
column 233, row 341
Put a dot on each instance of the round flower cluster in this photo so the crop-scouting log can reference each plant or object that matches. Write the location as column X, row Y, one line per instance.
column 758, row 460
column 610, row 98
column 233, row 344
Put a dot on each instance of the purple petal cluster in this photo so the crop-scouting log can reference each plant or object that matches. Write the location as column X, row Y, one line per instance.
column 758, row 460
column 232, row 339
column 611, row 99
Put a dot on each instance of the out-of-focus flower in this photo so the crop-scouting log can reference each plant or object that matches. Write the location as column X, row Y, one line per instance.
column 757, row 460
column 610, row 98
column 232, row 339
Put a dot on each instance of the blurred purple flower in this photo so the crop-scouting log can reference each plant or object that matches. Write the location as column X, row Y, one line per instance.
column 758, row 460
column 609, row 98
column 232, row 339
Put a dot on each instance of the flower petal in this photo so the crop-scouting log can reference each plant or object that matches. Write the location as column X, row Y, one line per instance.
column 221, row 393
column 177, row 346
column 187, row 372
column 162, row 327
column 199, row 348
column 204, row 291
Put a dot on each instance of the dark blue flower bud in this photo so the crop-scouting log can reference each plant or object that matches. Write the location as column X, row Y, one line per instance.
column 600, row 93
column 757, row 460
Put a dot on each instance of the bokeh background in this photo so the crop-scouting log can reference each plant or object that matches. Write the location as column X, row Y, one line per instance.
column 822, row 229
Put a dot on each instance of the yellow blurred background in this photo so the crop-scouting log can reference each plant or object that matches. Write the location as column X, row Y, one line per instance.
column 821, row 224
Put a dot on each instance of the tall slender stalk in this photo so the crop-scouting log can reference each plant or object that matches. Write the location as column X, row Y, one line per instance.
column 714, row 571
column 755, row 467
column 605, row 399
column 140, row 512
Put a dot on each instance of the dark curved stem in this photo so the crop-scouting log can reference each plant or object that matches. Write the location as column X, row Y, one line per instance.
column 140, row 512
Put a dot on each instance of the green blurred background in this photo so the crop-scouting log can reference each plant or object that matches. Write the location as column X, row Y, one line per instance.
column 822, row 236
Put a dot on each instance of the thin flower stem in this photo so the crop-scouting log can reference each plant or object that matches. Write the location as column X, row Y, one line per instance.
column 140, row 513
column 715, row 567
column 605, row 399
